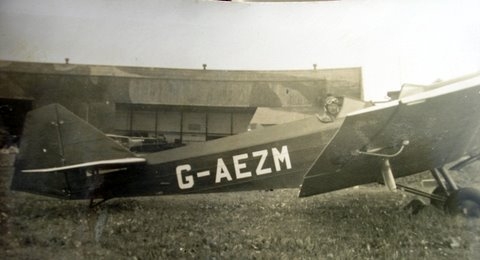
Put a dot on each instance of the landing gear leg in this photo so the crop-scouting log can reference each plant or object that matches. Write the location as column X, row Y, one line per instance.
column 451, row 198
column 448, row 196
column 439, row 196
column 441, row 192
column 444, row 188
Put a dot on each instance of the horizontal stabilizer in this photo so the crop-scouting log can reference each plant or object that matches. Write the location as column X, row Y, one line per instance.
column 98, row 164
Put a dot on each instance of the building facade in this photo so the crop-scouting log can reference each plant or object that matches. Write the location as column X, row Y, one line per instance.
column 180, row 104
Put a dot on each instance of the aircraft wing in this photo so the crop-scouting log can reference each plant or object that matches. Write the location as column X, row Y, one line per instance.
column 440, row 125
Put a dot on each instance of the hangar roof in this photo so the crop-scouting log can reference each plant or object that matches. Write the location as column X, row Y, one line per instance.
column 167, row 86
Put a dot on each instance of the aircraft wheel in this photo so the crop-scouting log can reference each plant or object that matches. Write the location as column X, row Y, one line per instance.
column 439, row 191
column 465, row 201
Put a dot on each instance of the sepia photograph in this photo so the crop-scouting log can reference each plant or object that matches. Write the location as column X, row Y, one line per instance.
column 208, row 129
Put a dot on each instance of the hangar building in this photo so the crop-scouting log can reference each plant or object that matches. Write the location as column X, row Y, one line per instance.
column 184, row 105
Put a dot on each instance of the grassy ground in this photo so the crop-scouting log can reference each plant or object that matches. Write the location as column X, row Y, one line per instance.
column 363, row 223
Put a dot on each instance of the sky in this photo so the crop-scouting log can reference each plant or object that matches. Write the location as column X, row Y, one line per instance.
column 394, row 42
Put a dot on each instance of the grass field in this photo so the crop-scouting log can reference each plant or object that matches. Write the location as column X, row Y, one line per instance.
column 368, row 222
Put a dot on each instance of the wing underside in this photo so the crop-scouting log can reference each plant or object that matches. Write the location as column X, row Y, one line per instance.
column 440, row 125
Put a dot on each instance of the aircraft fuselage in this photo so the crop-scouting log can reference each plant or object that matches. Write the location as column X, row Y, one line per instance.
column 265, row 160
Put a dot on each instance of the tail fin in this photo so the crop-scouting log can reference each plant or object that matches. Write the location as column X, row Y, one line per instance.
column 54, row 139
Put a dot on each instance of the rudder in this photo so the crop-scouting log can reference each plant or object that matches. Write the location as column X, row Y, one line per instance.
column 55, row 140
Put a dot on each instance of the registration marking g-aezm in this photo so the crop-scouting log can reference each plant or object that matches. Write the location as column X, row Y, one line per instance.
column 186, row 180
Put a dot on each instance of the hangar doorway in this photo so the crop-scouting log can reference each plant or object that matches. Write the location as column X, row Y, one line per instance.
column 181, row 124
column 12, row 117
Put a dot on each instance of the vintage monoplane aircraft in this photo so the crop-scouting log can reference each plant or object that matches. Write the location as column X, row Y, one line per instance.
column 426, row 128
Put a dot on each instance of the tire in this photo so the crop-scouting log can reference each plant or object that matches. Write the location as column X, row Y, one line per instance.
column 465, row 201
